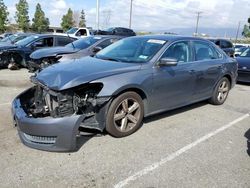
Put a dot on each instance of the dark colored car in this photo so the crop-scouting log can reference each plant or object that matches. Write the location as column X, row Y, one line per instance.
column 5, row 35
column 78, row 49
column 244, row 66
column 239, row 50
column 14, row 38
column 131, row 79
column 226, row 45
column 19, row 52
column 121, row 31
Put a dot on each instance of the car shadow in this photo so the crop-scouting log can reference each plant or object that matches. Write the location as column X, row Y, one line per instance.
column 243, row 83
column 89, row 133
column 247, row 135
column 174, row 112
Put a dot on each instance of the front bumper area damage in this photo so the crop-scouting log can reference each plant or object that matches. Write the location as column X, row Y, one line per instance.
column 52, row 121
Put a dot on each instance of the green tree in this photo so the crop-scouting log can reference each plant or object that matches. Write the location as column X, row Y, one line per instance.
column 82, row 22
column 246, row 31
column 3, row 16
column 22, row 15
column 40, row 22
column 67, row 20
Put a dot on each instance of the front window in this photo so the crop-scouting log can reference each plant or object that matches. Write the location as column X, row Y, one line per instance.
column 84, row 43
column 179, row 51
column 135, row 50
column 246, row 53
column 72, row 30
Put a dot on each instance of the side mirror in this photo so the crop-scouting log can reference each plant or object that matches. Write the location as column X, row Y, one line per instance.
column 97, row 49
column 168, row 62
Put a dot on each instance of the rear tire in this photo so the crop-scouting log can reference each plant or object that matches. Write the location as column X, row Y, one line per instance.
column 125, row 115
column 220, row 92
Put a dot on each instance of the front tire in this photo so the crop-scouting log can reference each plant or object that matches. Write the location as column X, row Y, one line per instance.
column 220, row 92
column 125, row 115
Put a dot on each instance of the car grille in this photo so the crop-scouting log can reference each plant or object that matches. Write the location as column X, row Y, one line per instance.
column 41, row 139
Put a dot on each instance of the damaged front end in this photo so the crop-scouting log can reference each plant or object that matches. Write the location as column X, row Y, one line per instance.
column 42, row 114
column 36, row 65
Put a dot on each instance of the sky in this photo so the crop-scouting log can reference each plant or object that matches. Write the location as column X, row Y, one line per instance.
column 148, row 15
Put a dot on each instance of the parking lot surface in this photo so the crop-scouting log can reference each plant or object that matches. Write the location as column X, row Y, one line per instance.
column 197, row 146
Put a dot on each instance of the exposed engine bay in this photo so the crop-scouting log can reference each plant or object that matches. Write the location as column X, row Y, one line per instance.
column 43, row 102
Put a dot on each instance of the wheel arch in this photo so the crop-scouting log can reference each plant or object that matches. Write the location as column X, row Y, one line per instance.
column 137, row 90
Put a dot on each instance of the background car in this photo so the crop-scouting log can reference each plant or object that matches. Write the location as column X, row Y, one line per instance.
column 226, row 45
column 239, row 50
column 78, row 49
column 17, row 54
column 123, row 83
column 121, row 31
column 5, row 35
column 244, row 66
column 12, row 39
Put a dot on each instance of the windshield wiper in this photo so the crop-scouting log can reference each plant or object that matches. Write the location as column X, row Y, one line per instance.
column 107, row 58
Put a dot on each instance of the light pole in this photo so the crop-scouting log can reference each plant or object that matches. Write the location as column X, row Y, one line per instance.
column 130, row 17
column 197, row 23
column 237, row 33
column 97, row 14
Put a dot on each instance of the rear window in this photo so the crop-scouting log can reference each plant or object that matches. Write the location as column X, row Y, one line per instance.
column 203, row 51
column 62, row 41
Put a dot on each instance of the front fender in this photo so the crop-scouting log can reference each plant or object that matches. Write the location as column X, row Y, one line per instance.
column 139, row 80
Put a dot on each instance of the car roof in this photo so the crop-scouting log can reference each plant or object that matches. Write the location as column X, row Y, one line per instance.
column 170, row 37
column 108, row 36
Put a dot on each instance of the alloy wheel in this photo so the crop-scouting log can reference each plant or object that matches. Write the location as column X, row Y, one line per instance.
column 223, row 91
column 127, row 114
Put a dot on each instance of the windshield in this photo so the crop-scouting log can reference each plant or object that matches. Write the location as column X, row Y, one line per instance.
column 10, row 38
column 72, row 30
column 26, row 41
column 246, row 53
column 84, row 43
column 134, row 50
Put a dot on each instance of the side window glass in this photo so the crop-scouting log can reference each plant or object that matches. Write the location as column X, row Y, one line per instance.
column 105, row 43
column 48, row 42
column 62, row 41
column 81, row 32
column 179, row 51
column 203, row 51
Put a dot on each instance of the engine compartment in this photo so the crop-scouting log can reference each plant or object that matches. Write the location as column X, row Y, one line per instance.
column 40, row 101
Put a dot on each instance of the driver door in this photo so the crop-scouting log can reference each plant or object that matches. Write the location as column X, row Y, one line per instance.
column 173, row 86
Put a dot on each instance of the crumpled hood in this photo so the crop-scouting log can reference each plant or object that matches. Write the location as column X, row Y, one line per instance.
column 73, row 73
column 243, row 62
column 54, row 51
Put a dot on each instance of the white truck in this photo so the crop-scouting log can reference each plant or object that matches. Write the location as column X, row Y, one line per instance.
column 79, row 32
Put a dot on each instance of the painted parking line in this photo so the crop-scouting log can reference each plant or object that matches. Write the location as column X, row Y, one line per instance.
column 3, row 104
column 179, row 152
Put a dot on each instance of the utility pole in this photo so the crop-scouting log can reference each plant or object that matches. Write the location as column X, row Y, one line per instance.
column 197, row 22
column 97, row 14
column 130, row 17
column 237, row 33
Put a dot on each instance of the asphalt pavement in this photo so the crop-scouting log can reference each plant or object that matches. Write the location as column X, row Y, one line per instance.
column 196, row 146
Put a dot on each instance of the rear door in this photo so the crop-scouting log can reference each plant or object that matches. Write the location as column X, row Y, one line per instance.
column 207, row 68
